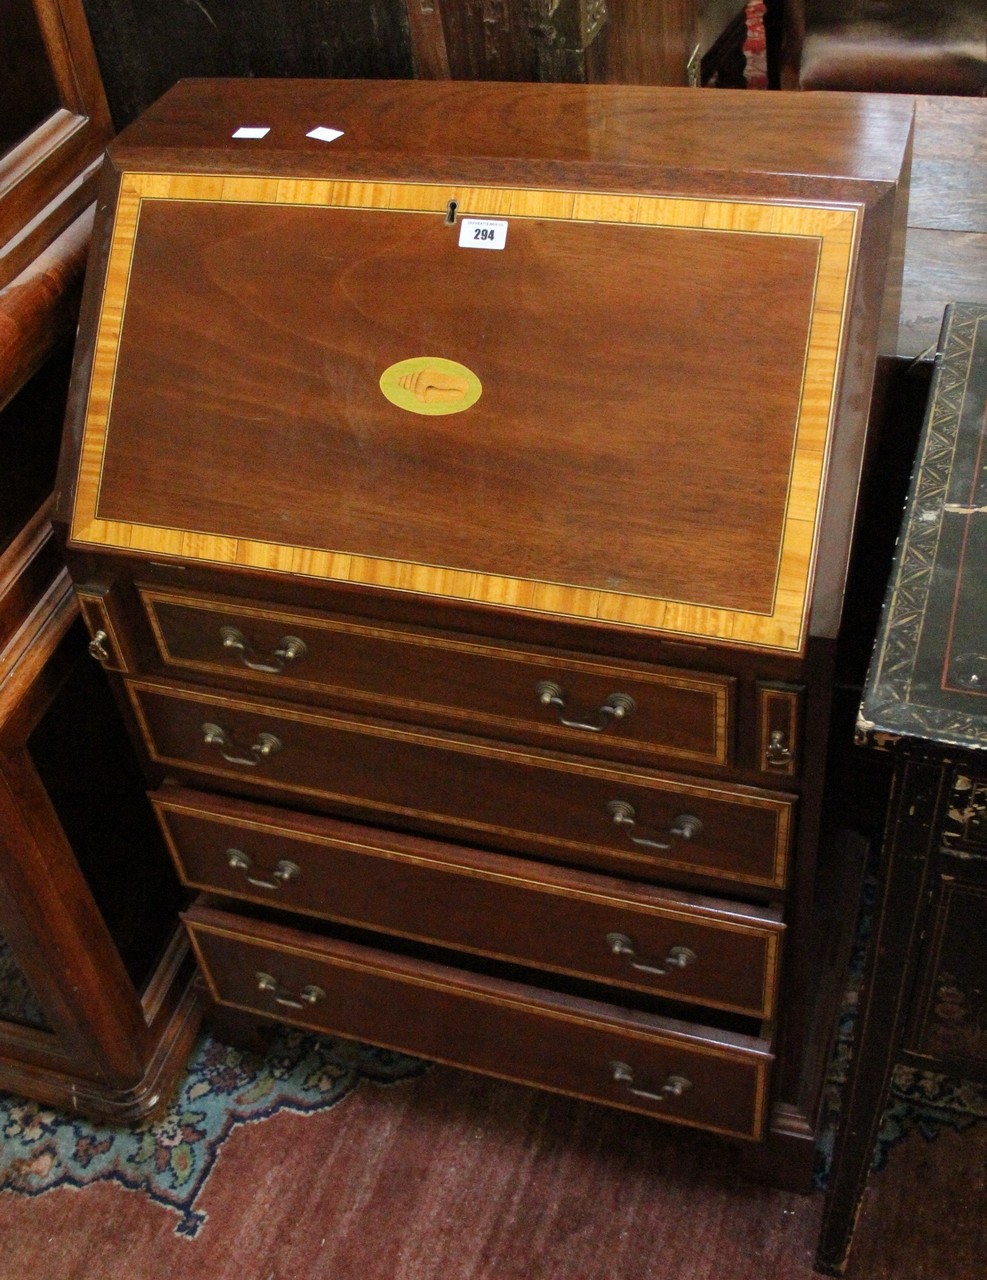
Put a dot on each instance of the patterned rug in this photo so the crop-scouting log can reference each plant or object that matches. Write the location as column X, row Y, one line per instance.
column 917, row 1100
column 169, row 1159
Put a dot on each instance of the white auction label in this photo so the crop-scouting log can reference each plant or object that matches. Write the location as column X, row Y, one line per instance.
column 322, row 133
column 482, row 233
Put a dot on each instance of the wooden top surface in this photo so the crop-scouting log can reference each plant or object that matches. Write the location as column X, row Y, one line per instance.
column 419, row 124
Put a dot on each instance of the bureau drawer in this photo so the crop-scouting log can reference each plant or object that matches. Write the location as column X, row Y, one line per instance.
column 620, row 710
column 689, row 1075
column 702, row 950
column 561, row 807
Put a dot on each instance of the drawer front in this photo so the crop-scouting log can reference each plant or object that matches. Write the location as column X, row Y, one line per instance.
column 689, row 1075
column 562, row 808
column 618, row 710
column 721, row 954
column 106, row 644
column 779, row 716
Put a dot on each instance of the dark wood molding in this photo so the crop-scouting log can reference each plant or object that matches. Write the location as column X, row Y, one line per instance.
column 46, row 179
column 39, row 308
column 112, row 1016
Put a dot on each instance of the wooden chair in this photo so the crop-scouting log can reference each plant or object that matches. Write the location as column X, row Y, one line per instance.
column 886, row 46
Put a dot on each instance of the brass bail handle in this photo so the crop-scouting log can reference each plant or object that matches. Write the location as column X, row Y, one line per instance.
column 263, row 747
column 308, row 996
column 674, row 1086
column 285, row 870
column 685, row 827
column 621, row 944
column 289, row 649
column 614, row 708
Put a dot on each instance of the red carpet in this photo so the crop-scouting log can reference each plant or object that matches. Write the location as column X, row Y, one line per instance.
column 454, row 1177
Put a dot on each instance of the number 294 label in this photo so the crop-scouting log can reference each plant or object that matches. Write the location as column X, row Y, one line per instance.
column 482, row 233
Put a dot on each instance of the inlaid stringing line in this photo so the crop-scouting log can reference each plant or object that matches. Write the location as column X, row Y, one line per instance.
column 834, row 229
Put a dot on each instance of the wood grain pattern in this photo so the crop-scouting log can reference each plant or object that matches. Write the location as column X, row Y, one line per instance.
column 940, row 267
column 470, row 789
column 633, row 484
column 776, row 615
column 473, row 687
column 504, row 908
column 644, row 42
column 949, row 180
column 47, row 168
column 557, row 1042
column 415, row 128
column 39, row 308
column 108, row 1052
column 143, row 50
column 946, row 248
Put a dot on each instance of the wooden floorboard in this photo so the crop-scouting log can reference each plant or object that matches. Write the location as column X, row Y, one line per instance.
column 946, row 246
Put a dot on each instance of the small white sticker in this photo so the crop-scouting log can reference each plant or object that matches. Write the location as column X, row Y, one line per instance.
column 324, row 134
column 252, row 131
column 482, row 233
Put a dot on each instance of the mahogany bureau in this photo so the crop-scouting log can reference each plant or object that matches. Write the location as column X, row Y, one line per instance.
column 459, row 484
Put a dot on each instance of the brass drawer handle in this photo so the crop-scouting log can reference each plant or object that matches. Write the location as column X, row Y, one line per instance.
column 778, row 753
column 673, row 1088
column 289, row 649
column 282, row 873
column 97, row 647
column 685, row 827
column 614, row 707
column 678, row 957
column 306, row 997
column 266, row 745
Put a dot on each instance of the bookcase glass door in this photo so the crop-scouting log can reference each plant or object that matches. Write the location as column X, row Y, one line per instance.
column 28, row 91
column 17, row 1001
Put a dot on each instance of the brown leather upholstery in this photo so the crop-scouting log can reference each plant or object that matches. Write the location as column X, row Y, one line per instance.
column 892, row 46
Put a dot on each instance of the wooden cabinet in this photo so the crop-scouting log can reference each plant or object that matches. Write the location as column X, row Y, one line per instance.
column 461, row 507
column 580, row 41
column 96, row 1011
column 922, row 998
column 55, row 123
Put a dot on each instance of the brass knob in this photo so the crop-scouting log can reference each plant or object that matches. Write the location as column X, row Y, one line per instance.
column 97, row 647
column 778, row 753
